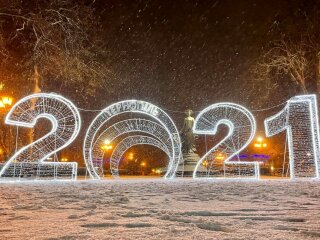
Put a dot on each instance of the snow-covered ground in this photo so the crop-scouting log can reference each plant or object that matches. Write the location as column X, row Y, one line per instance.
column 159, row 209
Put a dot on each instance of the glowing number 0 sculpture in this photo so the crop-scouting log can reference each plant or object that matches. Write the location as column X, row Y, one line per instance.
column 31, row 159
column 127, row 143
column 299, row 119
column 132, row 126
column 242, row 128
column 92, row 139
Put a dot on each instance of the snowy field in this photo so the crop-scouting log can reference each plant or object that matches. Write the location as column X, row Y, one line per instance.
column 158, row 209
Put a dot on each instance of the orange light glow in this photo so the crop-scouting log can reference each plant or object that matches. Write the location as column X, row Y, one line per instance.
column 130, row 156
column 259, row 139
column 106, row 147
column 257, row 145
column 220, row 156
column 7, row 100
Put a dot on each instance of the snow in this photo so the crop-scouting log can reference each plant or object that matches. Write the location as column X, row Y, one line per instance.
column 159, row 209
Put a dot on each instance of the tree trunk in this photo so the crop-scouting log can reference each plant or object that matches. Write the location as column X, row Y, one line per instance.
column 36, row 89
column 318, row 72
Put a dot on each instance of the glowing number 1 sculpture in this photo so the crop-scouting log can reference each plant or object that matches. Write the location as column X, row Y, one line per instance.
column 299, row 119
column 31, row 161
column 222, row 161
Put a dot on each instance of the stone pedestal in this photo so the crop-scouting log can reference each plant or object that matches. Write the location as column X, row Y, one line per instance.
column 188, row 165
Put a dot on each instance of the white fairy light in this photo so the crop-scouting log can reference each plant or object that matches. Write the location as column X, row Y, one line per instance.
column 129, row 142
column 219, row 160
column 299, row 119
column 134, row 106
column 125, row 127
column 30, row 161
column 129, row 126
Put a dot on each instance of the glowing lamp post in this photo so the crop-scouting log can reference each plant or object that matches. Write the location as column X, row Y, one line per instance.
column 259, row 143
column 6, row 101
column 220, row 157
column 130, row 157
column 106, row 146
column 5, row 105
column 143, row 165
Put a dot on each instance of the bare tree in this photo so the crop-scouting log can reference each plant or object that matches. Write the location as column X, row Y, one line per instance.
column 285, row 59
column 295, row 55
column 45, row 41
column 51, row 45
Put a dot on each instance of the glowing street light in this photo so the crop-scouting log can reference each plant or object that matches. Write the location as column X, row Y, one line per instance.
column 259, row 143
column 130, row 156
column 142, row 164
column 220, row 157
column 5, row 105
column 106, row 145
column 5, row 101
column 64, row 159
column 205, row 163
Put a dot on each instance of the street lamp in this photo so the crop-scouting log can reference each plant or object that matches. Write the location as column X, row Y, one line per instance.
column 205, row 163
column 220, row 157
column 6, row 101
column 130, row 156
column 259, row 143
column 5, row 105
column 143, row 164
column 106, row 145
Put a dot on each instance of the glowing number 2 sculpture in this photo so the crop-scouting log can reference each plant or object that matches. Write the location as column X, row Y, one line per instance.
column 30, row 161
column 222, row 160
column 299, row 119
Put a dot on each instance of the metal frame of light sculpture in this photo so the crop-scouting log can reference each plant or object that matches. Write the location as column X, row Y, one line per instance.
column 129, row 142
column 126, row 127
column 299, row 119
column 242, row 128
column 31, row 159
column 135, row 106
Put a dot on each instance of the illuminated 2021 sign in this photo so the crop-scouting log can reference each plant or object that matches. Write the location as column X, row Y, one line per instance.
column 153, row 126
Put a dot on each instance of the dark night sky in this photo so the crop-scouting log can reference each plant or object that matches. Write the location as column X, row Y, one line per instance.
column 180, row 54
column 189, row 53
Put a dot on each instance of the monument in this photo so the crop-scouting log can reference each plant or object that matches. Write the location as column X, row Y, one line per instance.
column 189, row 152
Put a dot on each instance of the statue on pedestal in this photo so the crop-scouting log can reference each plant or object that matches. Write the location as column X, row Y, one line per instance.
column 189, row 152
column 187, row 136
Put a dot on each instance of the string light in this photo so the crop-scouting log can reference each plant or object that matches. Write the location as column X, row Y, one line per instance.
column 133, row 106
column 31, row 160
column 242, row 127
column 299, row 119
column 129, row 126
column 129, row 142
